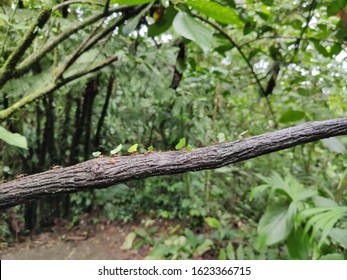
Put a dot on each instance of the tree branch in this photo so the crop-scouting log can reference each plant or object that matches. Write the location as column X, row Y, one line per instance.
column 244, row 57
column 27, row 64
column 104, row 172
column 7, row 71
column 4, row 114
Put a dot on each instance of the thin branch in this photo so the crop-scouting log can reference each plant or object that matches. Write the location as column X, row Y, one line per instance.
column 7, row 70
column 298, row 41
column 233, row 43
column 105, row 172
column 73, row 57
column 107, row 6
column 66, row 3
column 26, row 65
column 6, row 113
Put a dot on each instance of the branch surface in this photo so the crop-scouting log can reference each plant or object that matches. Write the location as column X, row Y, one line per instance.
column 104, row 172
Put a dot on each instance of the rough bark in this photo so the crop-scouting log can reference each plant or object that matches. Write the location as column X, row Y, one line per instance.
column 104, row 172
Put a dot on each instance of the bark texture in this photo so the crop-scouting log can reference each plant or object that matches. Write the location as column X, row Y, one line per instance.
column 104, row 172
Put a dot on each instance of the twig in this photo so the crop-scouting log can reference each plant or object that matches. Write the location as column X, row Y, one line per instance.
column 26, row 65
column 232, row 42
column 6, row 113
column 7, row 70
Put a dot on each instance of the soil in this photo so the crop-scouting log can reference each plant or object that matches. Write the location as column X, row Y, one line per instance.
column 87, row 241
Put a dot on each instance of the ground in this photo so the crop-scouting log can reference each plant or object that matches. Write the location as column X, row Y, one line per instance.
column 101, row 241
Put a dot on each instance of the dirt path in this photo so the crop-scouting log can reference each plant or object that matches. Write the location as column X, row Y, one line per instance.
column 88, row 242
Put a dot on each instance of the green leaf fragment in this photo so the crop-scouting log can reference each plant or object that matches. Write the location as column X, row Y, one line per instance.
column 150, row 149
column 96, row 154
column 220, row 137
column 133, row 148
column 116, row 150
column 189, row 148
column 181, row 144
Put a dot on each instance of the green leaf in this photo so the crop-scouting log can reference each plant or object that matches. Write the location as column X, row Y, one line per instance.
column 181, row 144
column 204, row 247
column 96, row 154
column 129, row 240
column 189, row 28
column 150, row 149
column 212, row 222
column 322, row 50
column 132, row 23
column 133, row 148
column 335, row 49
column 274, row 226
column 220, row 137
column 335, row 7
column 291, row 116
column 268, row 2
column 334, row 145
column 189, row 148
column 13, row 139
column 216, row 11
column 222, row 255
column 130, row 2
column 298, row 244
column 163, row 25
column 339, row 235
column 116, row 150
column 334, row 256
column 230, row 251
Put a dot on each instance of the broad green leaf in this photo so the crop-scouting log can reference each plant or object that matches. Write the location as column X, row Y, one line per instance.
column 334, row 145
column 291, row 116
column 322, row 50
column 189, row 28
column 116, row 150
column 163, row 25
column 96, row 154
column 133, row 148
column 230, row 252
column 181, row 144
column 298, row 244
column 212, row 222
column 13, row 139
column 130, row 2
column 339, row 235
column 129, row 240
column 321, row 201
column 335, row 49
column 192, row 238
column 274, row 226
column 216, row 11
column 204, row 247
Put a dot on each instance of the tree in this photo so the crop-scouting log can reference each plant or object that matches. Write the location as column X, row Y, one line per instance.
column 85, row 76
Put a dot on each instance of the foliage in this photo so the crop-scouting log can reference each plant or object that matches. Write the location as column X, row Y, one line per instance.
column 163, row 74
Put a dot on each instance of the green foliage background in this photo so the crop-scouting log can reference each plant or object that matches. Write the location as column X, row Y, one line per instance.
column 188, row 69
